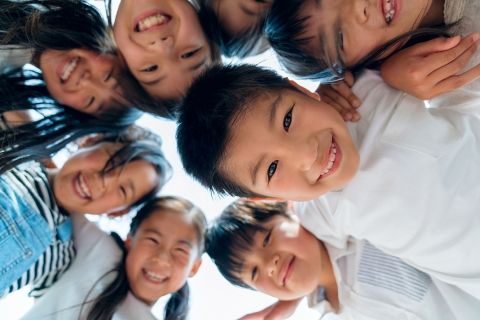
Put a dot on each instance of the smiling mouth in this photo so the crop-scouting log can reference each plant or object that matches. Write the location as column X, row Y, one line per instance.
column 68, row 69
column 151, row 21
column 388, row 10
column 334, row 158
column 288, row 272
column 154, row 277
column 81, row 187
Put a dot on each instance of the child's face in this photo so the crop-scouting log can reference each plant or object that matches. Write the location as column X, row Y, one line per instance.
column 344, row 22
column 238, row 16
column 291, row 146
column 82, row 79
column 286, row 262
column 80, row 186
column 162, row 254
column 163, row 44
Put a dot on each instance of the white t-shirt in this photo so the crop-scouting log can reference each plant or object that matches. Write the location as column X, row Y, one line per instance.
column 417, row 192
column 97, row 253
column 374, row 285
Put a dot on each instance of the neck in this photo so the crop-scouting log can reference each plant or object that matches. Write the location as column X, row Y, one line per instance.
column 328, row 281
column 434, row 15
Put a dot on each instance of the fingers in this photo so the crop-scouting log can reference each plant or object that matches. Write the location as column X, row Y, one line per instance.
column 435, row 45
column 466, row 45
column 457, row 81
column 348, row 78
column 339, row 103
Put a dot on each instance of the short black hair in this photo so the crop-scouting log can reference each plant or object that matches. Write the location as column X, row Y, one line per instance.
column 239, row 45
column 215, row 101
column 285, row 31
column 231, row 235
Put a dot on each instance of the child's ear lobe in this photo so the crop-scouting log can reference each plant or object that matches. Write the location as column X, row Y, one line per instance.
column 118, row 213
column 128, row 242
column 302, row 89
column 195, row 267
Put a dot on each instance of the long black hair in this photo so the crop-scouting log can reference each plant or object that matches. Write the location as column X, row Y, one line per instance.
column 177, row 306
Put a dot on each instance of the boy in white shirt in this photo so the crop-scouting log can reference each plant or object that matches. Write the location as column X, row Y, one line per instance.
column 405, row 177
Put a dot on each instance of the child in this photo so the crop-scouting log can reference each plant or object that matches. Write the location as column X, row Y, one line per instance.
column 404, row 178
column 261, row 246
column 110, row 176
column 166, row 236
column 310, row 37
column 235, row 26
column 163, row 44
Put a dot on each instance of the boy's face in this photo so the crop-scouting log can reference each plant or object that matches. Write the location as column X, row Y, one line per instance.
column 291, row 146
column 81, row 186
column 286, row 261
column 162, row 254
column 163, row 44
column 341, row 23
column 83, row 80
column 239, row 16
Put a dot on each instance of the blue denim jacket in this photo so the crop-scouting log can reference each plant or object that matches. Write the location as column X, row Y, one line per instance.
column 24, row 236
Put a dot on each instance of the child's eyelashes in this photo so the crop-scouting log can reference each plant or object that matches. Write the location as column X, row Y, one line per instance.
column 123, row 192
column 191, row 53
column 151, row 68
column 340, row 40
column 271, row 170
column 90, row 102
column 108, row 76
column 254, row 273
column 267, row 238
column 288, row 118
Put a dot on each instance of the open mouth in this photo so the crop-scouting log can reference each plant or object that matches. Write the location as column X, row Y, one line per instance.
column 68, row 68
column 81, row 187
column 334, row 157
column 150, row 21
column 288, row 271
column 389, row 9
column 154, row 277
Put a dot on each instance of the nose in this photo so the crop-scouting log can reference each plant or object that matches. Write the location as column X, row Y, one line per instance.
column 303, row 153
column 164, row 45
column 360, row 11
column 162, row 258
column 272, row 265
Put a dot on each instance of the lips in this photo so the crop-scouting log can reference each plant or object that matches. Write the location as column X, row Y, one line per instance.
column 333, row 160
column 154, row 277
column 389, row 8
column 150, row 20
column 287, row 270
column 65, row 70
column 81, row 187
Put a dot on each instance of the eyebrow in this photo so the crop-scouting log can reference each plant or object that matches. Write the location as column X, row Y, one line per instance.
column 182, row 241
column 132, row 189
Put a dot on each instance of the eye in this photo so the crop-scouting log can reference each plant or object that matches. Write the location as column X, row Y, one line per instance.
column 340, row 40
column 266, row 240
column 151, row 68
column 182, row 250
column 254, row 273
column 151, row 240
column 287, row 120
column 190, row 53
column 108, row 76
column 271, row 170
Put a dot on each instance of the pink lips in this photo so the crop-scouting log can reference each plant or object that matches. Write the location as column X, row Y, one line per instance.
column 147, row 14
column 336, row 162
column 288, row 271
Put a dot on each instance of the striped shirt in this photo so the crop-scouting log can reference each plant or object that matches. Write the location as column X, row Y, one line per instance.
column 31, row 182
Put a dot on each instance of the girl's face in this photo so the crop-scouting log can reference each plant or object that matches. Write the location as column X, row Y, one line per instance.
column 163, row 44
column 81, row 186
column 353, row 28
column 82, row 79
column 162, row 254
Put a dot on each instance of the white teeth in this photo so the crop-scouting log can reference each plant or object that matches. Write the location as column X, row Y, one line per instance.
column 83, row 187
column 68, row 68
column 151, row 21
column 389, row 9
column 155, row 276
column 331, row 160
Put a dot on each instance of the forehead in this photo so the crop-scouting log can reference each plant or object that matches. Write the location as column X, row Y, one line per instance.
column 166, row 222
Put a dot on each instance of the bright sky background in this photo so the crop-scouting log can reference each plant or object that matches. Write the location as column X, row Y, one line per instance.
column 213, row 298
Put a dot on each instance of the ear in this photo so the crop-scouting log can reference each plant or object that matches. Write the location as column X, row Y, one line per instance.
column 118, row 213
column 128, row 242
column 304, row 90
column 195, row 267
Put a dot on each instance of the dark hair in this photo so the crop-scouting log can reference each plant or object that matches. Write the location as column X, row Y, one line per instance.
column 285, row 29
column 240, row 45
column 177, row 306
column 214, row 102
column 231, row 235
column 63, row 25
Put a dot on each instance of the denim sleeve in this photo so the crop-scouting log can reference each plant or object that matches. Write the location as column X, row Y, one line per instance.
column 24, row 236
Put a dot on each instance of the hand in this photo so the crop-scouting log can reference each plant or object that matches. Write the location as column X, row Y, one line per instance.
column 340, row 96
column 431, row 68
column 278, row 311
